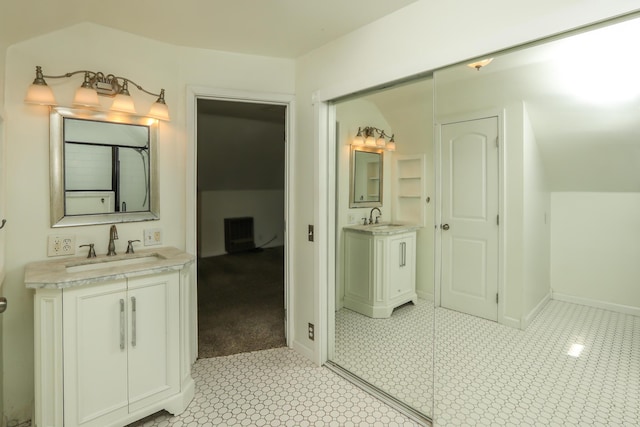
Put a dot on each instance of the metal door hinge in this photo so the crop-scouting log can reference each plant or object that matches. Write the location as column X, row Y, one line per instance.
column 497, row 142
column 496, row 298
column 497, row 219
column 310, row 233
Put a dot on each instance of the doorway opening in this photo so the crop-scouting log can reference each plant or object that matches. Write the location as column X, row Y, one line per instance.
column 241, row 205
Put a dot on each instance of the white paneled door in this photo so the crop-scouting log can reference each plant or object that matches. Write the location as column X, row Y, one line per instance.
column 469, row 217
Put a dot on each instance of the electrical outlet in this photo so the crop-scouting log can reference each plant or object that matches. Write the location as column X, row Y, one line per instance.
column 61, row 245
column 312, row 334
column 152, row 236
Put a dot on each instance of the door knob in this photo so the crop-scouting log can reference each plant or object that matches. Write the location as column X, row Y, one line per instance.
column 3, row 304
column 445, row 227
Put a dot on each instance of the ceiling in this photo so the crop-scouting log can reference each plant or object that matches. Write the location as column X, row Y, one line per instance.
column 278, row 28
column 581, row 94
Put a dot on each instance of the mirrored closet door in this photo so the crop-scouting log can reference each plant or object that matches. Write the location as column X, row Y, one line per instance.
column 384, row 242
column 505, row 252
column 539, row 148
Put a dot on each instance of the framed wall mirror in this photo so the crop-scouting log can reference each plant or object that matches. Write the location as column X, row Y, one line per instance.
column 366, row 177
column 103, row 168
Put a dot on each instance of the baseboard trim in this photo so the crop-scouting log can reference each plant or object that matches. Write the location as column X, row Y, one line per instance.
column 526, row 321
column 424, row 295
column 619, row 308
column 304, row 350
column 509, row 321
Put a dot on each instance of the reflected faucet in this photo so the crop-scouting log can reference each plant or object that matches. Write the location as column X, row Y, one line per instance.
column 377, row 216
column 113, row 235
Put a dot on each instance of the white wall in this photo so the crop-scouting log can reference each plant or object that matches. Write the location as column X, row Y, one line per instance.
column 266, row 207
column 89, row 46
column 536, row 283
column 595, row 249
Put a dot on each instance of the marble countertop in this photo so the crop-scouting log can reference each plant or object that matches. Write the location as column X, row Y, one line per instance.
column 68, row 272
column 384, row 228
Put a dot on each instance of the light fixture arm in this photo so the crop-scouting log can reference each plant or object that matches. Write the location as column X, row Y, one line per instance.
column 100, row 84
column 370, row 132
column 140, row 88
column 94, row 77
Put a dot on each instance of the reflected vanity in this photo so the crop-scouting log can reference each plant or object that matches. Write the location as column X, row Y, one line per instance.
column 382, row 314
column 380, row 268
column 103, row 168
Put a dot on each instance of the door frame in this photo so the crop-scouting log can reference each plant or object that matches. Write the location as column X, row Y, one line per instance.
column 499, row 113
column 220, row 94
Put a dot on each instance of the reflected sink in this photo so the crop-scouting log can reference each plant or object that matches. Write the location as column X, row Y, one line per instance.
column 103, row 263
column 383, row 226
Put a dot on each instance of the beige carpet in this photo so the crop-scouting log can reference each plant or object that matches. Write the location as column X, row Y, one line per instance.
column 241, row 302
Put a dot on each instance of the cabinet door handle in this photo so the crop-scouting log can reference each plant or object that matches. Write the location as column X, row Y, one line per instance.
column 133, row 321
column 403, row 254
column 121, row 324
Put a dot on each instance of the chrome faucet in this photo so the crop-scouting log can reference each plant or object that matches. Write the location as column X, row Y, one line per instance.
column 113, row 235
column 377, row 216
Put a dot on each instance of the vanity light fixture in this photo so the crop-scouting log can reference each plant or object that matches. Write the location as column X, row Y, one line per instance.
column 367, row 136
column 94, row 84
column 479, row 64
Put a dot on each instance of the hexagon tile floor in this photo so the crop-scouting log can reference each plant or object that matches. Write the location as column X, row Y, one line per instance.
column 573, row 366
column 393, row 354
column 276, row 387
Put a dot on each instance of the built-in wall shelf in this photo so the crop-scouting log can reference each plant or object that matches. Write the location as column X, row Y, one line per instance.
column 409, row 197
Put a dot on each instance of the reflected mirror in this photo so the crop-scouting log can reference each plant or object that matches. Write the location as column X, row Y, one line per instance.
column 366, row 177
column 539, row 314
column 102, row 168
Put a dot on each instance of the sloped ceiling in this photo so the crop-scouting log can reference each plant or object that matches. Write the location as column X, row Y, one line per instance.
column 582, row 95
column 241, row 146
column 280, row 28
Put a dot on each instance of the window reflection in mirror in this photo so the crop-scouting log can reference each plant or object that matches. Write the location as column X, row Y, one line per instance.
column 366, row 177
column 102, row 168
column 106, row 167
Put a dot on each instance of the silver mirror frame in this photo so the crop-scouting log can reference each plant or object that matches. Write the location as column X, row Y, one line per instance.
column 56, row 169
column 366, row 204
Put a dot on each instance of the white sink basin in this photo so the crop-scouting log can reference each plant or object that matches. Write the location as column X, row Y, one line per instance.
column 103, row 263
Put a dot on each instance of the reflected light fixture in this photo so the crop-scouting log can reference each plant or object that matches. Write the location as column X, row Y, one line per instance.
column 367, row 136
column 94, row 84
column 479, row 64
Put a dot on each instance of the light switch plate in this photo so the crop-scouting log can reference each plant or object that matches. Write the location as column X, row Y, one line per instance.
column 61, row 245
column 152, row 236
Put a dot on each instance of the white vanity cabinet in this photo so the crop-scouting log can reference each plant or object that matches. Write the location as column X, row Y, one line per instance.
column 120, row 347
column 379, row 268
column 110, row 350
